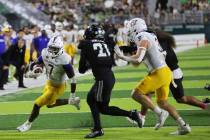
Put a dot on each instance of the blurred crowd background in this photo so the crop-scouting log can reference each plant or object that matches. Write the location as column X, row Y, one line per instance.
column 27, row 25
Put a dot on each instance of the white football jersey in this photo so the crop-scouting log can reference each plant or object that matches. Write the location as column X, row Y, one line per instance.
column 54, row 67
column 154, row 58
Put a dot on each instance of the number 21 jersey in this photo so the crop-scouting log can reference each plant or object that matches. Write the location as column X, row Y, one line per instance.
column 96, row 54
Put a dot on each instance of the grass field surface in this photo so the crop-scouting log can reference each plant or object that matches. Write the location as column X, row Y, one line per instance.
column 66, row 122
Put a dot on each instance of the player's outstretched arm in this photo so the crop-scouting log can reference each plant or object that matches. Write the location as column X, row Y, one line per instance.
column 138, row 57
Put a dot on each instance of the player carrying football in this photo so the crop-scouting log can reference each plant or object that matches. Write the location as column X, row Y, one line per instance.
column 159, row 77
column 96, row 55
column 57, row 64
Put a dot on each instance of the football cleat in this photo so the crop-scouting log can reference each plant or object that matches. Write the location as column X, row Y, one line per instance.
column 206, row 100
column 134, row 117
column 183, row 130
column 94, row 133
column 161, row 119
column 75, row 102
column 207, row 86
column 24, row 127
column 134, row 122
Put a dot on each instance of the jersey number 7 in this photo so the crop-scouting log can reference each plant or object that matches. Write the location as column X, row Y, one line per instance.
column 51, row 69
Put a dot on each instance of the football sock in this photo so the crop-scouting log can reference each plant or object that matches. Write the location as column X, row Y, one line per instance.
column 34, row 113
column 180, row 121
column 96, row 116
column 28, row 122
column 157, row 110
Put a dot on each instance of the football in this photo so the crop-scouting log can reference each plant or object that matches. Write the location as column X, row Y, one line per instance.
column 38, row 68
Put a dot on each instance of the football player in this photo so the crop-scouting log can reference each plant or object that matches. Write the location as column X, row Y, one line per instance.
column 96, row 55
column 159, row 77
column 57, row 64
column 167, row 43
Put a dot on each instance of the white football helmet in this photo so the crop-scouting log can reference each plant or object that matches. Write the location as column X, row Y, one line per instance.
column 135, row 26
column 55, row 46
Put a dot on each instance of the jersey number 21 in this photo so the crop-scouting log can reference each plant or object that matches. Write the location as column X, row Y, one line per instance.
column 102, row 48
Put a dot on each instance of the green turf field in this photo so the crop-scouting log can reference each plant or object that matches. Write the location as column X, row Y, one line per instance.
column 67, row 123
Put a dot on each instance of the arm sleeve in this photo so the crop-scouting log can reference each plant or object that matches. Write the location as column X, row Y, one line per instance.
column 69, row 70
column 70, row 73
column 73, row 85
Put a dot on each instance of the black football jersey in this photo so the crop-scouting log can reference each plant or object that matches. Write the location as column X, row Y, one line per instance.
column 96, row 55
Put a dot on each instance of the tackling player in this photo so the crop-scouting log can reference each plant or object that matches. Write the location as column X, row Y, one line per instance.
column 167, row 43
column 96, row 55
column 57, row 64
column 159, row 77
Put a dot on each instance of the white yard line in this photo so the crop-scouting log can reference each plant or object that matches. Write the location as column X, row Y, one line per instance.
column 40, row 81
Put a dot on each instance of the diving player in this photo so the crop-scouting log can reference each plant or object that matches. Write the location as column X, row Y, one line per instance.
column 96, row 55
column 159, row 77
column 57, row 64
